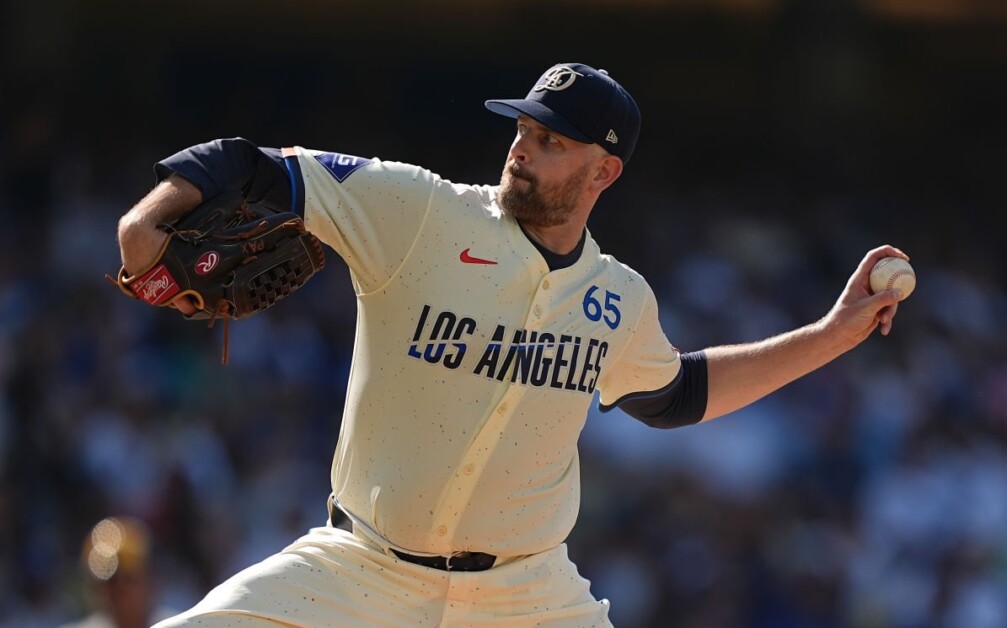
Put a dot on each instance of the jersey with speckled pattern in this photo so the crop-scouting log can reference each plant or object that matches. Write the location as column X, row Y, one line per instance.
column 474, row 365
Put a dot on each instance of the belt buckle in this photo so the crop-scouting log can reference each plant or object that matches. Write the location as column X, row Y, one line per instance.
column 447, row 563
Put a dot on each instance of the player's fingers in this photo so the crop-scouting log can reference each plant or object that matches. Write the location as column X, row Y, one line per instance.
column 886, row 328
column 875, row 255
column 886, row 250
column 889, row 305
column 862, row 276
column 885, row 299
column 185, row 305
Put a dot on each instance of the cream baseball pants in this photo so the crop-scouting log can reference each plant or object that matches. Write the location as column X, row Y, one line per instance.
column 331, row 577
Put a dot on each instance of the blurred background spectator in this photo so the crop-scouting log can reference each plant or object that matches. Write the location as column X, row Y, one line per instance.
column 781, row 140
column 120, row 581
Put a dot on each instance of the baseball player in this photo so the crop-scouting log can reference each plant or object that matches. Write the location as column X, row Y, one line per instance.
column 487, row 318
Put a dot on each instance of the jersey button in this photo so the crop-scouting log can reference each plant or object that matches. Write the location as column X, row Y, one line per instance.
column 545, row 284
column 442, row 530
column 537, row 310
column 469, row 469
column 502, row 408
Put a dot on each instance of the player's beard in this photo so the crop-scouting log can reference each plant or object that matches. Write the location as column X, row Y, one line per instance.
column 537, row 205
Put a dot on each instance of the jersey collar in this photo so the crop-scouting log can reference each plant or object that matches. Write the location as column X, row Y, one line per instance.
column 555, row 261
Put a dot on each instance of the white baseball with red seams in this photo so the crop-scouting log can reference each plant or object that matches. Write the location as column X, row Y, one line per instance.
column 893, row 272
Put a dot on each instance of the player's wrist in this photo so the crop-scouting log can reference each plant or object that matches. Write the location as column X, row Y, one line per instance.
column 139, row 235
column 832, row 334
column 139, row 243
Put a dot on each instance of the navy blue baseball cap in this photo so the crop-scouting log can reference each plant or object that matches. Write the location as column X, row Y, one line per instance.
column 581, row 103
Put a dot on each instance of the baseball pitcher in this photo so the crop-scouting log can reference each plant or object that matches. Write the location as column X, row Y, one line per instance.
column 487, row 318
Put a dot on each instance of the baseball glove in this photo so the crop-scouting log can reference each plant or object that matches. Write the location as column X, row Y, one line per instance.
column 233, row 260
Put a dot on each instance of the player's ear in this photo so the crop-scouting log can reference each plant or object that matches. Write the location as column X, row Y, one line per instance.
column 609, row 169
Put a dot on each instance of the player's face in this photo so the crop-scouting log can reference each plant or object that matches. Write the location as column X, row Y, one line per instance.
column 545, row 176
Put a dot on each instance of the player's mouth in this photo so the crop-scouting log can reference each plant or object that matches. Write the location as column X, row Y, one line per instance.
column 516, row 172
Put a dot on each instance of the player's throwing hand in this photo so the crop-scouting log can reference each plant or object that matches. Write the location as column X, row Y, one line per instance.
column 858, row 312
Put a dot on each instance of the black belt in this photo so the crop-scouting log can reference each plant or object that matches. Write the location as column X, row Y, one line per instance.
column 462, row 561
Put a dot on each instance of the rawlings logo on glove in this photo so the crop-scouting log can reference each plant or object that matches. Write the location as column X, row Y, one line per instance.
column 156, row 287
column 230, row 260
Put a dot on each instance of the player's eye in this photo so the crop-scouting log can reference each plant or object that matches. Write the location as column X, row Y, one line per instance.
column 522, row 128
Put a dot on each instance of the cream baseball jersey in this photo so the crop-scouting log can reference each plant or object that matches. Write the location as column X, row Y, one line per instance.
column 474, row 365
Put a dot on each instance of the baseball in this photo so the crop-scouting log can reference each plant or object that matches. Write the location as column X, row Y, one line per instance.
column 893, row 272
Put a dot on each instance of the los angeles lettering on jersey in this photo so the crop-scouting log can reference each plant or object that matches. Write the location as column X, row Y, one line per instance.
column 530, row 358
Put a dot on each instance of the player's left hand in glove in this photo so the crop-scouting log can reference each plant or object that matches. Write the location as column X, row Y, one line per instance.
column 229, row 259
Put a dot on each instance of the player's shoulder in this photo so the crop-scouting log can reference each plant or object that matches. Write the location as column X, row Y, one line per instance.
column 616, row 270
column 344, row 166
column 622, row 283
column 475, row 200
column 622, row 269
column 484, row 196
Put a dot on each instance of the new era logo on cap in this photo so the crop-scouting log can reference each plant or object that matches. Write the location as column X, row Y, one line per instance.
column 581, row 103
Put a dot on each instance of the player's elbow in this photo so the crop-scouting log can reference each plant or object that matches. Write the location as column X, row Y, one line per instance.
column 682, row 402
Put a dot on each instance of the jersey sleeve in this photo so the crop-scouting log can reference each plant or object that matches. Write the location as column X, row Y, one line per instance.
column 647, row 363
column 232, row 165
column 368, row 210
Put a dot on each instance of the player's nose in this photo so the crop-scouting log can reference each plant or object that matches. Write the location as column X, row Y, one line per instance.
column 519, row 149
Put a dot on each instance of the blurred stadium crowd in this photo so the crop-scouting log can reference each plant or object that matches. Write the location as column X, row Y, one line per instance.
column 872, row 493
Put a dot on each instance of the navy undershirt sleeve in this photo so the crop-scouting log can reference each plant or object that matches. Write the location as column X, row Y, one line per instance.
column 262, row 175
column 681, row 402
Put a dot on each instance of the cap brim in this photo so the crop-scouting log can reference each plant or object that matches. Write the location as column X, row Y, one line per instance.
column 540, row 113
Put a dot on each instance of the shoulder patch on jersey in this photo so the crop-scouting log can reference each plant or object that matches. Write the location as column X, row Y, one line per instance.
column 341, row 166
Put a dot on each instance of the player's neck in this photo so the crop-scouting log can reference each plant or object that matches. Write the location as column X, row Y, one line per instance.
column 560, row 239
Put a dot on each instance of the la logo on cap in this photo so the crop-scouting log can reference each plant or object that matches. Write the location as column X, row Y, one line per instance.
column 597, row 110
column 557, row 79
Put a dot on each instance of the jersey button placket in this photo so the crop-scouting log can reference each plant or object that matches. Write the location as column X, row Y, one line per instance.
column 537, row 308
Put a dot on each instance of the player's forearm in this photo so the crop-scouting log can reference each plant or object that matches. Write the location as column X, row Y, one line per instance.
column 139, row 238
column 741, row 374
